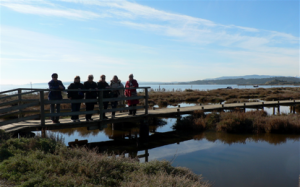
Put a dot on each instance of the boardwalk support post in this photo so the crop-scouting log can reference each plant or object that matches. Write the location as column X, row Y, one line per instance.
column 100, row 101
column 42, row 108
column 294, row 109
column 20, row 102
column 146, row 100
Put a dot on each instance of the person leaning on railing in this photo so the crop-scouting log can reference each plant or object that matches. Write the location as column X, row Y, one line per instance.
column 102, row 84
column 89, row 106
column 55, row 84
column 131, row 83
column 115, row 83
column 75, row 95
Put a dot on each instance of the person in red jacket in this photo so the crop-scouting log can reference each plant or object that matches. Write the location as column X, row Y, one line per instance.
column 131, row 83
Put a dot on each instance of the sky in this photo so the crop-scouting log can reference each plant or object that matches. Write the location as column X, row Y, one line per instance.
column 161, row 41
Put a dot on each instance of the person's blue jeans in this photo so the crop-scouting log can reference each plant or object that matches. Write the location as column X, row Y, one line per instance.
column 75, row 107
column 52, row 111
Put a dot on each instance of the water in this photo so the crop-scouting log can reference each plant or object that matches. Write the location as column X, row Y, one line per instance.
column 170, row 87
column 223, row 159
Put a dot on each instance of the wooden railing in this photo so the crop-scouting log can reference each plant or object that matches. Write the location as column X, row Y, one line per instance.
column 12, row 103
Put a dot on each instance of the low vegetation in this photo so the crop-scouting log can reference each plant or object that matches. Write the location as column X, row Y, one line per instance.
column 240, row 122
column 47, row 162
column 163, row 98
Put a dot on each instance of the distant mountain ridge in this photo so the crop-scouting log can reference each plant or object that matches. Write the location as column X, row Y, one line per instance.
column 246, row 77
column 253, row 81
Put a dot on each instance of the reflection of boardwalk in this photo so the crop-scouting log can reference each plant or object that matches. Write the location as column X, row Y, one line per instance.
column 30, row 125
column 143, row 143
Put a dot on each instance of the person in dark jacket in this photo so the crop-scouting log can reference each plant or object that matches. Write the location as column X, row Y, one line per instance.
column 56, row 85
column 102, row 84
column 115, row 83
column 90, row 85
column 75, row 95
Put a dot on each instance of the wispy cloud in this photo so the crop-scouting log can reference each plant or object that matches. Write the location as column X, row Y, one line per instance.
column 45, row 11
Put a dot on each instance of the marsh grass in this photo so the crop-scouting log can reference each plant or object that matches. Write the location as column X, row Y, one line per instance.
column 228, row 95
column 240, row 122
column 46, row 162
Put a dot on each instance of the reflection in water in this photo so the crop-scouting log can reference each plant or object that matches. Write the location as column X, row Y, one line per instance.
column 224, row 159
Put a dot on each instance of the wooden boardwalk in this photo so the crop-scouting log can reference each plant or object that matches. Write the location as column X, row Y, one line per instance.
column 35, row 125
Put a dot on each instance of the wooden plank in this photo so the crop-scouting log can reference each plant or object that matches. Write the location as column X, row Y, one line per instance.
column 18, row 107
column 146, row 101
column 123, row 98
column 9, row 114
column 70, row 101
column 37, row 89
column 15, row 95
column 100, row 101
column 20, row 102
column 13, row 90
column 92, row 100
column 9, row 103
column 19, row 119
column 72, row 113
column 125, row 108
column 42, row 108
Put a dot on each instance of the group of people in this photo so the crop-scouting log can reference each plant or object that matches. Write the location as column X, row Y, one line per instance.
column 56, row 86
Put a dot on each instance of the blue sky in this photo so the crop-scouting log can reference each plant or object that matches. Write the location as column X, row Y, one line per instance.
column 155, row 40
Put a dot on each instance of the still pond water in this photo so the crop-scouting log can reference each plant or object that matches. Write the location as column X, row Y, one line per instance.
column 223, row 159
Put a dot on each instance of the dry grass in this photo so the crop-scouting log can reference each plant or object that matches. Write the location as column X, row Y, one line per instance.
column 228, row 95
column 44, row 162
column 240, row 122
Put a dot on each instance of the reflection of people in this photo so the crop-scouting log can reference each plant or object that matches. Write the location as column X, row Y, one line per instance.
column 102, row 84
column 55, row 84
column 131, row 83
column 89, row 106
column 115, row 83
column 75, row 95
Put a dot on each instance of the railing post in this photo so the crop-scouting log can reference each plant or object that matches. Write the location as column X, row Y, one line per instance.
column 42, row 109
column 100, row 101
column 19, row 102
column 146, row 100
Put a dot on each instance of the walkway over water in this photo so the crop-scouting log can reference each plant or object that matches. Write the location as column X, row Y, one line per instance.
column 13, row 104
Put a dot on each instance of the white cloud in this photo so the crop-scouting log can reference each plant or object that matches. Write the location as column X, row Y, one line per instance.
column 37, row 10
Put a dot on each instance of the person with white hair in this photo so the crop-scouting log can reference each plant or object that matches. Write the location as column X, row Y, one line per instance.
column 131, row 83
column 115, row 83
column 89, row 106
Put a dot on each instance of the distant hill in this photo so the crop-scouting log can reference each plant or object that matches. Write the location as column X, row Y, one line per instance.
column 244, row 77
column 253, row 81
